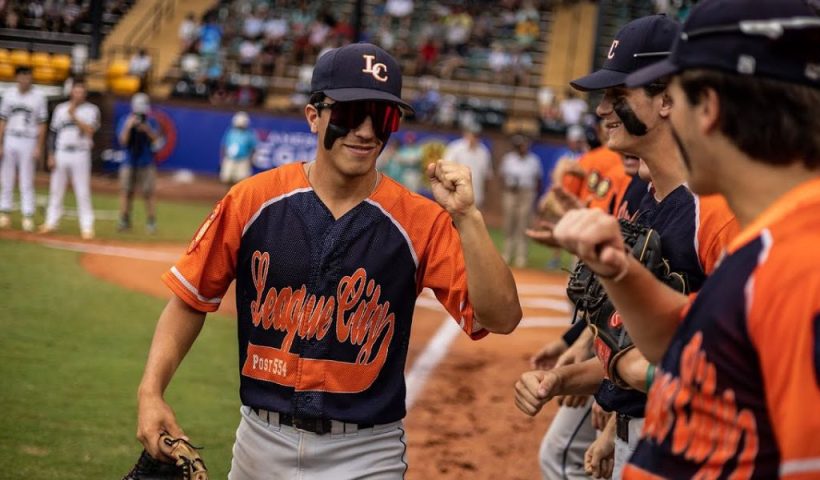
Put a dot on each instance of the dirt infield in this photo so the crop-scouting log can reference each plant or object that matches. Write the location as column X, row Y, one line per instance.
column 463, row 424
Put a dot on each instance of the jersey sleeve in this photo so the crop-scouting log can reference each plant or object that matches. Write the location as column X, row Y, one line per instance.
column 5, row 106
column 55, row 119
column 444, row 272
column 717, row 227
column 784, row 325
column 202, row 275
column 95, row 120
column 41, row 113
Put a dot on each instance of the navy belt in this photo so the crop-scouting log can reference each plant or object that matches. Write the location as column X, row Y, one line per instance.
column 319, row 426
column 622, row 426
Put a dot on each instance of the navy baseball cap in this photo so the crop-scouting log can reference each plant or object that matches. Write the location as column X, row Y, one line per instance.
column 638, row 44
column 359, row 71
column 761, row 38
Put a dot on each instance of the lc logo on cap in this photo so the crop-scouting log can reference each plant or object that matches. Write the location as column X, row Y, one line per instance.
column 378, row 71
column 611, row 53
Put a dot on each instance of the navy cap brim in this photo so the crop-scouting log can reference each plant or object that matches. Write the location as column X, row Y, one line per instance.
column 649, row 74
column 354, row 94
column 599, row 80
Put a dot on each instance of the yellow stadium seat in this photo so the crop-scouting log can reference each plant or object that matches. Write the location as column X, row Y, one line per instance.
column 117, row 68
column 40, row 59
column 6, row 71
column 61, row 62
column 20, row 58
column 125, row 85
column 4, row 55
column 44, row 75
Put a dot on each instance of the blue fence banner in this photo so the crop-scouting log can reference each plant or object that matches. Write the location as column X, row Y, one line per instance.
column 193, row 137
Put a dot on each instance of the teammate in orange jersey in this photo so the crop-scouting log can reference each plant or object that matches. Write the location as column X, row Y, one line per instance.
column 604, row 173
column 329, row 257
column 739, row 375
column 693, row 230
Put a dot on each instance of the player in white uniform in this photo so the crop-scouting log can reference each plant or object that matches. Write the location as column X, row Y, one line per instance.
column 23, row 116
column 73, row 125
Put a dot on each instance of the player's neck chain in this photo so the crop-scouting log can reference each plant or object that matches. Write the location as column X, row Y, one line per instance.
column 372, row 189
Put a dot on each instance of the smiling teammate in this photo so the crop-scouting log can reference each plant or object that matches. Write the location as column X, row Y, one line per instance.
column 694, row 230
column 329, row 257
column 738, row 380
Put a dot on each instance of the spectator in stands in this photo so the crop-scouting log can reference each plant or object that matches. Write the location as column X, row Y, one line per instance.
column 276, row 26
column 272, row 58
column 526, row 25
column 188, row 32
column 71, row 15
column 53, row 15
column 139, row 135
column 499, row 63
column 300, row 22
column 12, row 18
column 238, row 145
column 402, row 12
column 249, row 51
column 459, row 26
column 428, row 55
column 427, row 100
column 210, row 36
column 140, row 66
column 35, row 11
column 468, row 150
column 520, row 66
column 254, row 24
column 572, row 108
column 520, row 175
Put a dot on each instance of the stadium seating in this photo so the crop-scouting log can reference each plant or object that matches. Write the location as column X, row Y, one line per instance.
column 20, row 58
column 6, row 72
column 124, row 85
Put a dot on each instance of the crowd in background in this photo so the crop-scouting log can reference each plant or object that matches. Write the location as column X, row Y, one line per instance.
column 67, row 16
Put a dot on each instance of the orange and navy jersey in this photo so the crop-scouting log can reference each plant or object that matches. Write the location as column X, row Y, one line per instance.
column 737, row 392
column 324, row 305
column 605, row 177
column 626, row 200
column 694, row 232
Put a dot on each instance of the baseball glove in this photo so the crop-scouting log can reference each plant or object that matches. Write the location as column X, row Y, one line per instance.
column 592, row 302
column 188, row 464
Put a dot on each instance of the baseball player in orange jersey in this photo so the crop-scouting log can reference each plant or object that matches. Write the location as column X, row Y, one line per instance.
column 738, row 373
column 693, row 230
column 604, row 174
column 329, row 258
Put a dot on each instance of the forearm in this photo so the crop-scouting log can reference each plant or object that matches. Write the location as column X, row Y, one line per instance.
column 631, row 367
column 177, row 328
column 650, row 317
column 125, row 136
column 579, row 378
column 489, row 282
column 85, row 128
column 41, row 135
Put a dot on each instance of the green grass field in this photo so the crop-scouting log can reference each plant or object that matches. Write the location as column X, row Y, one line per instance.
column 72, row 349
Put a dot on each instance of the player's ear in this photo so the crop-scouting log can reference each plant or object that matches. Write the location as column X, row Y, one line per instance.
column 666, row 105
column 707, row 111
column 312, row 117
